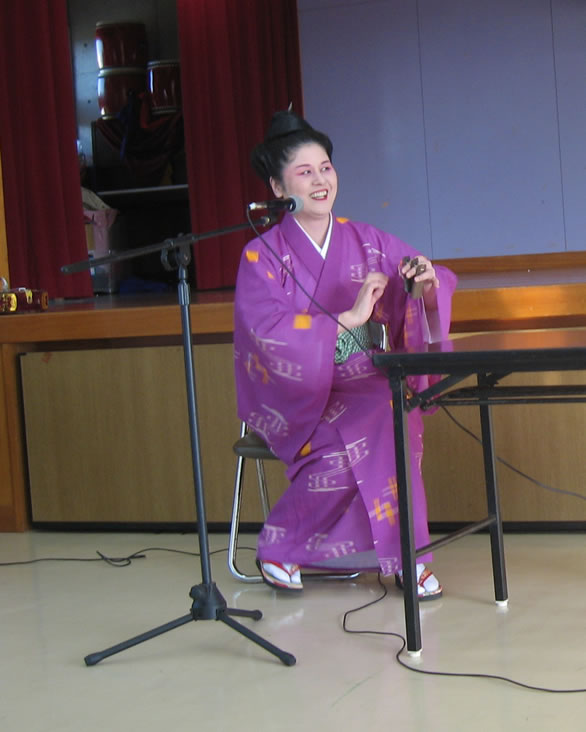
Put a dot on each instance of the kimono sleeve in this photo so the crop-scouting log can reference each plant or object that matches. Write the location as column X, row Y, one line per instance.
column 283, row 355
column 411, row 323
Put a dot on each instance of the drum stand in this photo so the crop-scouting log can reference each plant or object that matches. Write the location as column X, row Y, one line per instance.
column 208, row 603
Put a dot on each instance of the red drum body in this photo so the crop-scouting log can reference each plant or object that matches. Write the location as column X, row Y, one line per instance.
column 164, row 80
column 114, row 87
column 121, row 44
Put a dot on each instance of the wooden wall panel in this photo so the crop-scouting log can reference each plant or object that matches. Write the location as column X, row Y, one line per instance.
column 108, row 441
column 108, row 435
column 543, row 441
column 13, row 502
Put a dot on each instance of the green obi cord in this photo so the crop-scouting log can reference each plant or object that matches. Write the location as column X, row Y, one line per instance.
column 353, row 341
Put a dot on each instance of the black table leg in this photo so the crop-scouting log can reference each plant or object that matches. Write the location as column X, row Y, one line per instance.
column 402, row 459
column 494, row 511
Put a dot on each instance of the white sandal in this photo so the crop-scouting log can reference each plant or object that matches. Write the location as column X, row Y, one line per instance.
column 281, row 575
column 428, row 587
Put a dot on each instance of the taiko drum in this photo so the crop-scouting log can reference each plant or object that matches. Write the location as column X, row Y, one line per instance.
column 121, row 44
column 115, row 86
column 164, row 83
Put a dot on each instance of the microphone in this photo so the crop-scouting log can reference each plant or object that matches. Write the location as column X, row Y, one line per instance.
column 293, row 204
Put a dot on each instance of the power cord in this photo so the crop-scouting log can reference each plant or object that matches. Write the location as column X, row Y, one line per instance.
column 141, row 554
column 512, row 467
column 116, row 561
column 324, row 310
column 427, row 672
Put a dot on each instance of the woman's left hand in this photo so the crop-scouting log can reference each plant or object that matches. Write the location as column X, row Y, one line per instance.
column 428, row 276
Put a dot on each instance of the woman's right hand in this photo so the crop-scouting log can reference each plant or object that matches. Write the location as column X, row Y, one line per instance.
column 371, row 290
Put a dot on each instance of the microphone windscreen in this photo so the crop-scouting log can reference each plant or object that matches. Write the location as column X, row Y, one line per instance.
column 296, row 205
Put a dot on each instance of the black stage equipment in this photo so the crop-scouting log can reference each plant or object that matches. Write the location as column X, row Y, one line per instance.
column 208, row 603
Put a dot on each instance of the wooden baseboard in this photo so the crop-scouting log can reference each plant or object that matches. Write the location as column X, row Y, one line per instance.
column 515, row 263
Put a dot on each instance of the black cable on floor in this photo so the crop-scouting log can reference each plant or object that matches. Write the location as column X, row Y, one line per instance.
column 426, row 672
column 116, row 561
column 141, row 554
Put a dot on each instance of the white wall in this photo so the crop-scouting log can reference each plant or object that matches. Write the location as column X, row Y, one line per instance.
column 459, row 124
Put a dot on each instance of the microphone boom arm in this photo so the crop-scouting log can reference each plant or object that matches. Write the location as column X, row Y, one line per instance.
column 172, row 243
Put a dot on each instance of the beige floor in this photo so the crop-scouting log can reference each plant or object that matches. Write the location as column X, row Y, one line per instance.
column 205, row 676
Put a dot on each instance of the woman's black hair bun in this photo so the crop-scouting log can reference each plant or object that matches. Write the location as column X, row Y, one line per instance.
column 286, row 131
column 286, row 123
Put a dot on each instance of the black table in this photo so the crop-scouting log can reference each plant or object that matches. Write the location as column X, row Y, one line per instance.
column 490, row 357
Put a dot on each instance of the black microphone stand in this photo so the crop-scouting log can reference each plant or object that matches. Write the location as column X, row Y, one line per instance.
column 208, row 603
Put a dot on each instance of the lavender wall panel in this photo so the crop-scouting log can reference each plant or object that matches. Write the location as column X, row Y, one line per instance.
column 569, row 34
column 457, row 125
column 361, row 80
column 491, row 127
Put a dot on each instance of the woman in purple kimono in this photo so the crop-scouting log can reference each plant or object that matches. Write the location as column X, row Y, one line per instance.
column 304, row 377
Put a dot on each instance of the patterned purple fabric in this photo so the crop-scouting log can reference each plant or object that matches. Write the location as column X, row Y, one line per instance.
column 331, row 424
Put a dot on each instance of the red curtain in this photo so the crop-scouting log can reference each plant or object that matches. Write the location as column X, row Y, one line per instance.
column 239, row 64
column 42, row 194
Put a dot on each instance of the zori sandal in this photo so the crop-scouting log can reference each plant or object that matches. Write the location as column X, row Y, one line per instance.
column 428, row 587
column 281, row 575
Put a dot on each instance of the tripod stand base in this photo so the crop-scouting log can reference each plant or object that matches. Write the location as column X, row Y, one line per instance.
column 208, row 604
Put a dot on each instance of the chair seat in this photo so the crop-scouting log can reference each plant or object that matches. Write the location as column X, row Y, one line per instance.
column 251, row 446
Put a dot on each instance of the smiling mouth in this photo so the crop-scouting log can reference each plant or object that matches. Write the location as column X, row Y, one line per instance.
column 319, row 196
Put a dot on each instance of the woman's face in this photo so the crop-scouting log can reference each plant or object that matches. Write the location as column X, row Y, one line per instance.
column 311, row 176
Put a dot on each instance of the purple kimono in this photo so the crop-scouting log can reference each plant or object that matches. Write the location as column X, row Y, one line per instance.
column 330, row 423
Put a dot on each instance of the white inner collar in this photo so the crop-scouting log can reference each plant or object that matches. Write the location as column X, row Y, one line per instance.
column 321, row 250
